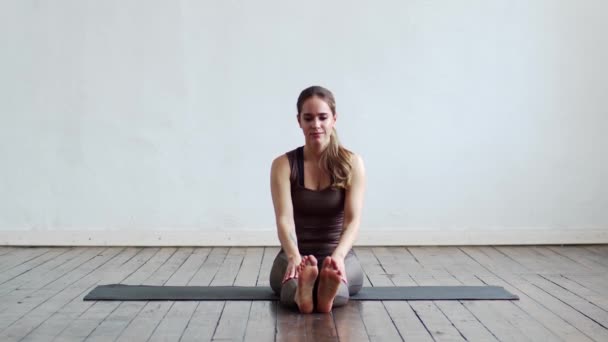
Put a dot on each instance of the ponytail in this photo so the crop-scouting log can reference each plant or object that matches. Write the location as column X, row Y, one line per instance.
column 336, row 161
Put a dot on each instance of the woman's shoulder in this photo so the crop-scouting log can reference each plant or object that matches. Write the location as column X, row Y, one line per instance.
column 287, row 156
column 284, row 160
column 357, row 166
column 354, row 157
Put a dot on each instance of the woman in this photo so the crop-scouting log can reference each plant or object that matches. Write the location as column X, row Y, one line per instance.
column 317, row 192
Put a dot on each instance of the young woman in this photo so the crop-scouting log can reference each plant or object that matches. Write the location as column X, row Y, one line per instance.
column 317, row 192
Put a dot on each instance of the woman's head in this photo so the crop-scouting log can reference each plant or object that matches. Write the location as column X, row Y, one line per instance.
column 317, row 118
column 317, row 115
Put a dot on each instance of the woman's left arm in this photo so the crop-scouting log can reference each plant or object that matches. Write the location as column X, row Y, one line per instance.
column 352, row 210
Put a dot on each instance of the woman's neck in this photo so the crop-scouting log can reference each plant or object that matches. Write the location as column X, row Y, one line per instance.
column 313, row 153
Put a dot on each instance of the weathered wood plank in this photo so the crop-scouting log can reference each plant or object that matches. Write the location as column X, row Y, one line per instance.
column 565, row 312
column 32, row 265
column 250, row 267
column 45, row 307
column 320, row 327
column 586, row 308
column 173, row 324
column 203, row 322
column 583, row 257
column 117, row 320
column 349, row 323
column 77, row 319
column 378, row 322
column 594, row 297
column 41, row 276
column 229, row 268
column 20, row 256
column 372, row 268
column 56, row 293
column 145, row 324
column 263, row 278
column 291, row 325
column 210, row 268
column 563, row 295
column 6, row 250
column 233, row 322
column 437, row 267
column 597, row 283
column 262, row 321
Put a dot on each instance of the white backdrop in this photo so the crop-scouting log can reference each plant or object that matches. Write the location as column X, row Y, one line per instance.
column 155, row 122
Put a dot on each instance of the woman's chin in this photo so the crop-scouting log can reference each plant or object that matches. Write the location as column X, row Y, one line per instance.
column 317, row 142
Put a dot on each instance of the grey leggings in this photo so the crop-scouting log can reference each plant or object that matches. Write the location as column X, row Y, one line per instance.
column 287, row 291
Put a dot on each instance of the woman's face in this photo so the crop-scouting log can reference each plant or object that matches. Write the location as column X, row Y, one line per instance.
column 317, row 121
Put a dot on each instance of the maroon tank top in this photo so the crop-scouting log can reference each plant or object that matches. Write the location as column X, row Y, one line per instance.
column 318, row 214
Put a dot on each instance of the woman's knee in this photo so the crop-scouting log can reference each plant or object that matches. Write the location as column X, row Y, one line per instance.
column 354, row 274
column 277, row 272
column 342, row 296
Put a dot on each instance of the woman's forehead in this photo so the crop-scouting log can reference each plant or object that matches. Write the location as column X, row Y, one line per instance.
column 315, row 106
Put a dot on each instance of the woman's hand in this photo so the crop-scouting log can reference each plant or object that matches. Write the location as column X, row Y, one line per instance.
column 340, row 263
column 292, row 268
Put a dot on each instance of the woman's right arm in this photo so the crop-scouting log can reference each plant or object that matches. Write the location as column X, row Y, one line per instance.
column 280, row 187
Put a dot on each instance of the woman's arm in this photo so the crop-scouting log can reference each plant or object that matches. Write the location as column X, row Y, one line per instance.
column 280, row 187
column 352, row 209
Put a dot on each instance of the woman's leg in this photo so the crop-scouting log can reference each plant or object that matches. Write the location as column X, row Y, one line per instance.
column 295, row 292
column 354, row 275
column 287, row 290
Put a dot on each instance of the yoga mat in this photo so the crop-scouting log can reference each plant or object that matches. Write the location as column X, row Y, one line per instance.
column 194, row 293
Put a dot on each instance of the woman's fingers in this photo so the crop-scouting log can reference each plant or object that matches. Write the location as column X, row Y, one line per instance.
column 290, row 272
column 339, row 264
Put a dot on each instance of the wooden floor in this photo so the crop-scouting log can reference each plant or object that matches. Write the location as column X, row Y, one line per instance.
column 563, row 296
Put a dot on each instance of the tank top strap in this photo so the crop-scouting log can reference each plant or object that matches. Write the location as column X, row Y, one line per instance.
column 296, row 164
column 300, row 162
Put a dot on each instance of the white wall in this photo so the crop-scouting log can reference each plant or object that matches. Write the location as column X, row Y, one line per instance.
column 155, row 122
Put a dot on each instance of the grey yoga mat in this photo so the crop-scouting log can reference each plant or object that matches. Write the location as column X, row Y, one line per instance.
column 193, row 293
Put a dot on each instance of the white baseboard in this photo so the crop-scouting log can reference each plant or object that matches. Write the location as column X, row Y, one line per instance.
column 368, row 237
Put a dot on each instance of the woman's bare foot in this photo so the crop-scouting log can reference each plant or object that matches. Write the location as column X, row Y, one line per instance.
column 307, row 275
column 329, row 282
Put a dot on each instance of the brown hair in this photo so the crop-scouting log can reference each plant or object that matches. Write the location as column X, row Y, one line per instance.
column 335, row 159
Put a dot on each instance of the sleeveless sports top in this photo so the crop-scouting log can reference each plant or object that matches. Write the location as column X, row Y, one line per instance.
column 318, row 214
